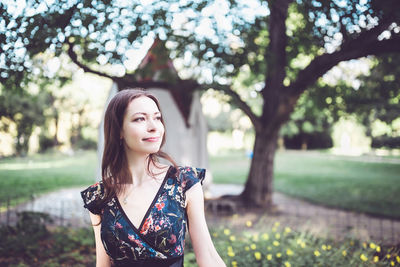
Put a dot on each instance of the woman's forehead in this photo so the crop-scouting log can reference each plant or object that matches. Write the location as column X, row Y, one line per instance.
column 142, row 104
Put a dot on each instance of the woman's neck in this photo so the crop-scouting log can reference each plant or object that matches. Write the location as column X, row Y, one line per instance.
column 138, row 167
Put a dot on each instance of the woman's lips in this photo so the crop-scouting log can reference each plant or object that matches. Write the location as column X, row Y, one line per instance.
column 151, row 139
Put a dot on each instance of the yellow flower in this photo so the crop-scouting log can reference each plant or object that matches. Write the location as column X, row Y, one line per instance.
column 232, row 238
column 398, row 259
column 317, row 253
column 278, row 255
column 276, row 224
column 249, row 223
column 364, row 245
column 230, row 248
column 344, row 253
column 277, row 236
column 234, row 263
column 323, row 247
column 227, row 231
column 246, row 248
column 299, row 241
column 329, row 247
column 231, row 254
column 253, row 246
column 265, row 236
column 378, row 249
column 274, row 229
column 289, row 252
column 269, row 248
column 376, row 258
column 372, row 245
column 269, row 257
column 255, row 237
column 363, row 257
column 257, row 255
column 303, row 244
column 215, row 234
column 275, row 243
column 287, row 230
column 287, row 264
column 392, row 263
column 388, row 256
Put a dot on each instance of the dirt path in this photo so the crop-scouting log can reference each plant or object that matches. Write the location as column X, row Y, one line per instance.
column 66, row 207
column 320, row 220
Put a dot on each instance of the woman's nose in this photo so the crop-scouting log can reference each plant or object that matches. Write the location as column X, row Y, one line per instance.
column 151, row 126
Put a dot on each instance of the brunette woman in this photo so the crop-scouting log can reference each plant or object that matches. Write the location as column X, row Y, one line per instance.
column 141, row 209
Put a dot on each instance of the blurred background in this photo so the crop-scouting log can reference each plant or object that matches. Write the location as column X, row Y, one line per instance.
column 299, row 101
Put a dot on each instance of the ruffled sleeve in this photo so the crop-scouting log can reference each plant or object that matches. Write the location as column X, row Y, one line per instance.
column 92, row 197
column 191, row 176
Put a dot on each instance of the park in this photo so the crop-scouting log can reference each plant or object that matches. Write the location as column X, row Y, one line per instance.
column 292, row 107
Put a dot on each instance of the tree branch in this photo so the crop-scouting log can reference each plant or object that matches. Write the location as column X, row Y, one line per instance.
column 321, row 64
column 237, row 100
column 276, row 57
column 74, row 58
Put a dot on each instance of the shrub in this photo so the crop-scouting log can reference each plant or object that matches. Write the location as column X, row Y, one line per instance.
column 30, row 243
column 86, row 144
column 285, row 247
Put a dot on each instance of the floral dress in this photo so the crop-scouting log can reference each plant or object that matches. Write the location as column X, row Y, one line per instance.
column 160, row 239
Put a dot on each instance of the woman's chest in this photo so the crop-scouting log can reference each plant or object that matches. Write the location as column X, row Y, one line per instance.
column 162, row 228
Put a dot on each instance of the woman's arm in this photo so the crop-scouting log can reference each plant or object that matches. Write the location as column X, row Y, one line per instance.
column 205, row 252
column 102, row 259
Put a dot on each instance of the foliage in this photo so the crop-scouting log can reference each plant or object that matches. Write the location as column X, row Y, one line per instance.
column 281, row 246
column 86, row 144
column 386, row 141
column 310, row 124
column 45, row 143
column 378, row 96
column 25, row 111
column 30, row 243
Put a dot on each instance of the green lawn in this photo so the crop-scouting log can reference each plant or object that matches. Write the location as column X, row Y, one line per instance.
column 319, row 177
column 336, row 181
column 22, row 177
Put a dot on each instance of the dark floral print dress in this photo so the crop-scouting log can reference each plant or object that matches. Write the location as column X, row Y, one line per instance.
column 160, row 239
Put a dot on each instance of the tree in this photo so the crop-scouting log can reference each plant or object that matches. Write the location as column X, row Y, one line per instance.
column 26, row 112
column 287, row 45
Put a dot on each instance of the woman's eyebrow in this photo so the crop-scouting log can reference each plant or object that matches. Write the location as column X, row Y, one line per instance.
column 144, row 113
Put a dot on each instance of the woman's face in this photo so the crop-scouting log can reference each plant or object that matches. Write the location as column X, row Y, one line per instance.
column 142, row 130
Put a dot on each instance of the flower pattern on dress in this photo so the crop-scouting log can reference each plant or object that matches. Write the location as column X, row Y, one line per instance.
column 162, row 234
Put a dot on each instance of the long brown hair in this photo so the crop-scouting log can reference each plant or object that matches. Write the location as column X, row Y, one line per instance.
column 114, row 169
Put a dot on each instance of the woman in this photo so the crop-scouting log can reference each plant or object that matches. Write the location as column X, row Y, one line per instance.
column 140, row 209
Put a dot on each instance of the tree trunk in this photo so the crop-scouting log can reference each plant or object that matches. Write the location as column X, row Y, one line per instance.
column 258, row 190
column 56, row 121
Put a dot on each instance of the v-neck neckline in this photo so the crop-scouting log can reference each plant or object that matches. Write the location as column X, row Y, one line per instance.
column 137, row 229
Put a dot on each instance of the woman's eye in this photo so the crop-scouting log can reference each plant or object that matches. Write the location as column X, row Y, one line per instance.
column 139, row 119
column 158, row 118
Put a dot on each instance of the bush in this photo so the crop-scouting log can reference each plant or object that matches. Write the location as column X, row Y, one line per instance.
column 29, row 243
column 45, row 143
column 86, row 144
column 386, row 141
column 285, row 247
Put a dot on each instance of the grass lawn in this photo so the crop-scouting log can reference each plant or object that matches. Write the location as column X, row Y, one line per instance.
column 22, row 177
column 336, row 181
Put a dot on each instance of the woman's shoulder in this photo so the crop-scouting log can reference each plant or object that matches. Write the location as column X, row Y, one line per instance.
column 189, row 176
column 92, row 197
